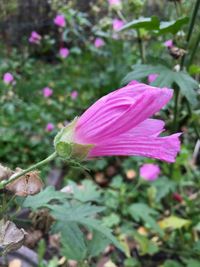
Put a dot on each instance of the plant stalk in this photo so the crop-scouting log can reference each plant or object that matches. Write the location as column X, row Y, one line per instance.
column 191, row 27
column 141, row 46
column 31, row 168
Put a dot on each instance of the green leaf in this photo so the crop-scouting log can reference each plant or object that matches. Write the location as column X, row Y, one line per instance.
column 88, row 192
column 73, row 244
column 166, row 78
column 97, row 244
column 163, row 187
column 146, row 245
column 44, row 198
column 187, row 85
column 192, row 263
column 81, row 214
column 145, row 23
column 174, row 222
column 111, row 220
column 172, row 263
column 172, row 26
column 141, row 211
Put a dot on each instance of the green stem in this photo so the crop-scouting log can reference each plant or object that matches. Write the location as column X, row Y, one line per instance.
column 191, row 26
column 194, row 50
column 176, row 94
column 141, row 46
column 33, row 167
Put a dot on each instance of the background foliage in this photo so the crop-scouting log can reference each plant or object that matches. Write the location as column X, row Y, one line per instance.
column 157, row 223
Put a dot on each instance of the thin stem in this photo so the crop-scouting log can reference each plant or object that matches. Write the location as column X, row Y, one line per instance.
column 141, row 46
column 175, row 126
column 194, row 50
column 191, row 26
column 33, row 167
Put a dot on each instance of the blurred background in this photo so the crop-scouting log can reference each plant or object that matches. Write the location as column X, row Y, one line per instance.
column 59, row 57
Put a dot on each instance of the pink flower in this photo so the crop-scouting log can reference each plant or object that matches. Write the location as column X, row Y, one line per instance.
column 152, row 77
column 49, row 127
column 64, row 52
column 35, row 38
column 59, row 20
column 117, row 24
column 168, row 43
column 149, row 171
column 119, row 124
column 114, row 2
column 47, row 92
column 74, row 95
column 98, row 42
column 8, row 78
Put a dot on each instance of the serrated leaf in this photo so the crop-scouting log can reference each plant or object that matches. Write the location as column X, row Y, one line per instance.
column 88, row 191
column 73, row 244
column 172, row 26
column 163, row 187
column 81, row 214
column 166, row 78
column 42, row 199
column 187, row 85
column 174, row 222
column 97, row 244
column 141, row 211
column 145, row 23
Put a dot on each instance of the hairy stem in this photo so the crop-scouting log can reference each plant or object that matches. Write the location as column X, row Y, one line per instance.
column 31, row 168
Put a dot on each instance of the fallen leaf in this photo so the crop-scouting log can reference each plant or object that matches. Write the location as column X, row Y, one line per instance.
column 174, row 222
column 11, row 237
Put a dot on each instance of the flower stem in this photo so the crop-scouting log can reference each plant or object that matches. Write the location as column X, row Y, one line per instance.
column 31, row 168
column 141, row 46
column 194, row 50
column 191, row 26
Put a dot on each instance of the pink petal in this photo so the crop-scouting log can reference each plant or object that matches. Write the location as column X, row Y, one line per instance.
column 163, row 148
column 149, row 127
column 120, row 111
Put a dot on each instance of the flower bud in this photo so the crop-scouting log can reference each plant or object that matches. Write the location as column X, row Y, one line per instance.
column 65, row 145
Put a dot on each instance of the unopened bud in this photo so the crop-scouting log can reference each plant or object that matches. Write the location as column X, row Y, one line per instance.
column 65, row 145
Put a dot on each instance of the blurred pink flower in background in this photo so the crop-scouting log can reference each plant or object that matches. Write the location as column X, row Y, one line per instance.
column 152, row 77
column 149, row 171
column 47, row 92
column 168, row 43
column 8, row 78
column 49, row 127
column 74, row 95
column 35, row 38
column 119, row 124
column 59, row 20
column 64, row 52
column 117, row 24
column 114, row 2
column 99, row 42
